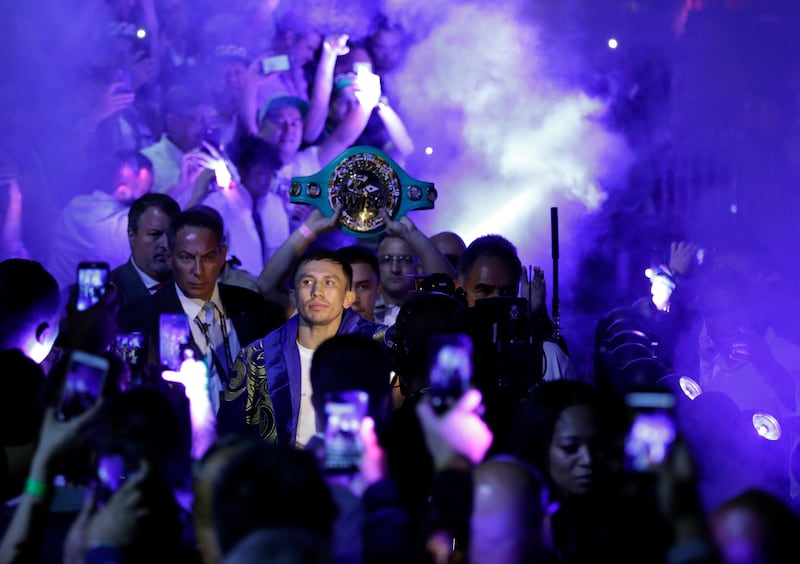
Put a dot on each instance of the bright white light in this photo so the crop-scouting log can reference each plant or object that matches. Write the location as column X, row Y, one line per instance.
column 428, row 150
column 612, row 43
column 689, row 387
column 767, row 426
column 734, row 208
column 140, row 33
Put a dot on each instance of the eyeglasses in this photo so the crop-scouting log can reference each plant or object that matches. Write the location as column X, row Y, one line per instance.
column 405, row 259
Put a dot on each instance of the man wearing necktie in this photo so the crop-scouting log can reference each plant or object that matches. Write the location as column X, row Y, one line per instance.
column 148, row 268
column 221, row 317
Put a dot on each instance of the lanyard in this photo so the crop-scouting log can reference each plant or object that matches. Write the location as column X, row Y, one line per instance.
column 204, row 327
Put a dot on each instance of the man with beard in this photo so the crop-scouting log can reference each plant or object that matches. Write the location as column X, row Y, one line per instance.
column 148, row 268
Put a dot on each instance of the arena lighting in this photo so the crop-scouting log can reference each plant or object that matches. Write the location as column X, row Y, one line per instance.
column 689, row 387
column 428, row 150
column 141, row 33
column 767, row 426
column 612, row 43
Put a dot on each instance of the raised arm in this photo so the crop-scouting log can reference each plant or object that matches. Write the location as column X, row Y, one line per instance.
column 332, row 47
column 275, row 272
column 24, row 535
column 368, row 93
column 433, row 261
column 400, row 144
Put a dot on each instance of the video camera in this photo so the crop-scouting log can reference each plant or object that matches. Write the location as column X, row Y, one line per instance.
column 508, row 357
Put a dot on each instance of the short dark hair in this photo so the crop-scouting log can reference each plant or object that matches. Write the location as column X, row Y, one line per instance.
column 151, row 200
column 185, row 96
column 352, row 362
column 322, row 253
column 251, row 150
column 107, row 169
column 286, row 480
column 197, row 216
column 489, row 245
column 26, row 290
column 359, row 254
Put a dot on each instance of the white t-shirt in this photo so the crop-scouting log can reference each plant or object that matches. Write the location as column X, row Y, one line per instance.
column 307, row 418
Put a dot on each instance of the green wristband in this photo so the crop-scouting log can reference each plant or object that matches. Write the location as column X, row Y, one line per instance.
column 36, row 488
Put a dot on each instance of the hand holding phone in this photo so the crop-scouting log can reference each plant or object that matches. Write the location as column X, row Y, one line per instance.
column 173, row 335
column 345, row 412
column 83, row 384
column 652, row 430
column 92, row 280
column 277, row 63
column 450, row 369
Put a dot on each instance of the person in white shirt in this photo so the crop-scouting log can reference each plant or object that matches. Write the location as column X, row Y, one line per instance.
column 94, row 227
column 189, row 117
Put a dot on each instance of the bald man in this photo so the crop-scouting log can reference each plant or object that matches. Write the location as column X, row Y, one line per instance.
column 509, row 521
column 450, row 244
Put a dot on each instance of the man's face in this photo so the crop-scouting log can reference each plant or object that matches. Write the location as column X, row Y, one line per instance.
column 197, row 260
column 386, row 48
column 282, row 128
column 490, row 277
column 366, row 290
column 342, row 104
column 321, row 293
column 187, row 127
column 257, row 179
column 132, row 183
column 149, row 243
column 398, row 265
column 303, row 47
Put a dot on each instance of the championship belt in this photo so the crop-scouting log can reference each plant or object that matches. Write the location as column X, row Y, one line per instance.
column 363, row 180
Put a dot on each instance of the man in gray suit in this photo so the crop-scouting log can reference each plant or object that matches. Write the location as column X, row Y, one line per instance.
column 148, row 267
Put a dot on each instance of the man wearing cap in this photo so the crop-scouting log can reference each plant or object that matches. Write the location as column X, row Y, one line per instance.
column 281, row 122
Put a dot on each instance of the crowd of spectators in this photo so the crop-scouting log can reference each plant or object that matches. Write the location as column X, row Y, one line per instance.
column 252, row 384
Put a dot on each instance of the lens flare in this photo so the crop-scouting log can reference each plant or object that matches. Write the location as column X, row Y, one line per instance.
column 689, row 387
column 767, row 426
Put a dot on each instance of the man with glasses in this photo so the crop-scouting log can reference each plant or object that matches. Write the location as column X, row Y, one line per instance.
column 189, row 118
column 404, row 254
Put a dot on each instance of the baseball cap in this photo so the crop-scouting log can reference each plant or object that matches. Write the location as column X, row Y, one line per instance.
column 279, row 101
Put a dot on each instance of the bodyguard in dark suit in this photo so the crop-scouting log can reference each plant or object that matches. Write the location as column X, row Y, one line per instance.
column 148, row 268
column 197, row 254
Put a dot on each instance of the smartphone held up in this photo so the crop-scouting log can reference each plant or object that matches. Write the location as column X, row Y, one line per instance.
column 92, row 280
column 83, row 384
column 652, row 430
column 345, row 411
column 450, row 369
column 276, row 63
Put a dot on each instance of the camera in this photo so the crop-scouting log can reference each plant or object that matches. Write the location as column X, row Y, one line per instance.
column 508, row 358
